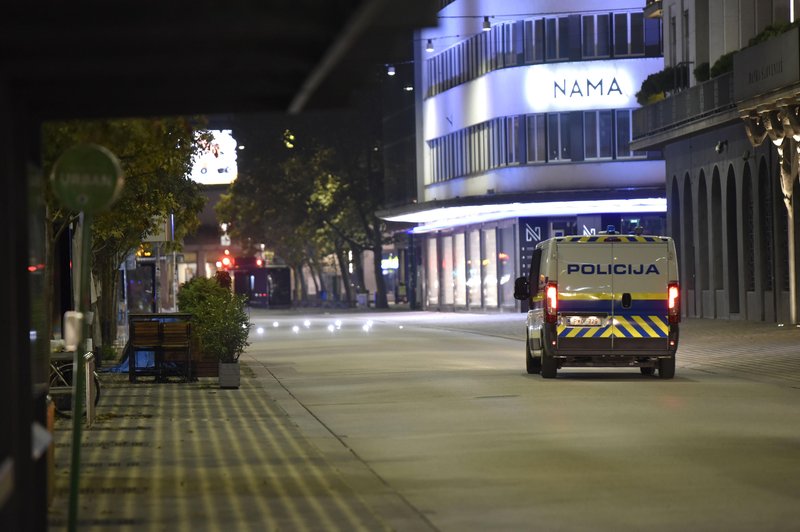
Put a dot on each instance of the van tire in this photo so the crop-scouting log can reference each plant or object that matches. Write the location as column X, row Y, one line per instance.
column 549, row 367
column 532, row 365
column 666, row 368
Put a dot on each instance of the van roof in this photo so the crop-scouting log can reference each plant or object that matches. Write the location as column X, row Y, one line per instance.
column 612, row 238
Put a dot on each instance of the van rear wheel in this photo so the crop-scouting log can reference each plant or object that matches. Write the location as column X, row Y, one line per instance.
column 532, row 365
column 549, row 367
column 666, row 368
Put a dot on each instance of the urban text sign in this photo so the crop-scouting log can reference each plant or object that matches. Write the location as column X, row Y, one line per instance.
column 87, row 178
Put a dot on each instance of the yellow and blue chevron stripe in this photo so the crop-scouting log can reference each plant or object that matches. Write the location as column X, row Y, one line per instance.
column 637, row 326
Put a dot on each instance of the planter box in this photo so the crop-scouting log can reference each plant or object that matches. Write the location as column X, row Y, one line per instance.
column 229, row 375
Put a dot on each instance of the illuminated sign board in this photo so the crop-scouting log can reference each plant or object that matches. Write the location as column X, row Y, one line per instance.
column 541, row 88
column 216, row 163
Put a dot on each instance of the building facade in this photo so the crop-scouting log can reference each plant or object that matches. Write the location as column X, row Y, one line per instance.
column 524, row 129
column 730, row 162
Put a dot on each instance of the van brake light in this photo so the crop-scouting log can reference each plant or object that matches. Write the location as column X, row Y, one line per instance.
column 551, row 302
column 674, row 302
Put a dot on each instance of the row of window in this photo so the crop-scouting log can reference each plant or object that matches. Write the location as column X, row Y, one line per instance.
column 564, row 38
column 532, row 139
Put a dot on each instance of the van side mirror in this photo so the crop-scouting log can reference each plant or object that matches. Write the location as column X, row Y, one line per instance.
column 522, row 289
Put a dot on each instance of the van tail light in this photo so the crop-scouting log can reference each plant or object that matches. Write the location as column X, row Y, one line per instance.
column 551, row 302
column 674, row 302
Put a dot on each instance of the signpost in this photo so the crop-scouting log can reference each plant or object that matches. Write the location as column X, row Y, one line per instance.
column 86, row 178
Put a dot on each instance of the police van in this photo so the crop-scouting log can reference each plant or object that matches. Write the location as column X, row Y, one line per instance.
column 602, row 300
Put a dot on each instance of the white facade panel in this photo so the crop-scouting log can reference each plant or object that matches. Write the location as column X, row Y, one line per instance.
column 587, row 85
column 553, row 177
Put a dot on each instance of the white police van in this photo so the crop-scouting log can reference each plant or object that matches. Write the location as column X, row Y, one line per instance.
column 602, row 300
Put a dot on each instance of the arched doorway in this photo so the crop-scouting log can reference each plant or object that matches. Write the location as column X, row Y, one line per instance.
column 764, row 249
column 732, row 240
column 705, row 305
column 715, row 260
column 688, row 264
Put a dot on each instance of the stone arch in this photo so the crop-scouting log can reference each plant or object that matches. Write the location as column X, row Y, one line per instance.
column 703, row 258
column 765, row 249
column 674, row 209
column 748, row 232
column 732, row 240
column 765, row 244
column 715, row 281
column 687, row 237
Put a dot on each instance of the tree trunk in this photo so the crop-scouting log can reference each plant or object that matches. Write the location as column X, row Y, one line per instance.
column 107, row 273
column 377, row 257
column 341, row 258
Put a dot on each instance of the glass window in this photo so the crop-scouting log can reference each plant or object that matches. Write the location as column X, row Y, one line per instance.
column 563, row 38
column 512, row 140
column 605, row 133
column 537, row 146
column 588, row 36
column 558, row 137
column 474, row 270
column 621, row 34
column 596, row 35
column 590, row 134
column 566, row 148
column 637, row 33
column 506, row 259
column 551, row 39
column 447, row 271
column 432, row 273
column 603, row 42
column 534, row 41
column 623, row 133
column 489, row 263
column 598, row 134
column 460, row 270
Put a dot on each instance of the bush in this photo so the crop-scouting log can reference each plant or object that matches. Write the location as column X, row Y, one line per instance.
column 722, row 65
column 219, row 321
column 657, row 84
column 702, row 72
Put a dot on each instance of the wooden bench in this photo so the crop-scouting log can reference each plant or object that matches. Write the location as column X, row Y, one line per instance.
column 170, row 342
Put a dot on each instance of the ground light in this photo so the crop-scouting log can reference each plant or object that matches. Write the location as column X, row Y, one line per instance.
column 295, row 329
column 260, row 330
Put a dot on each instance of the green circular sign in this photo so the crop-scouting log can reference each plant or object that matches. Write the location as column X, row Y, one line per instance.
column 87, row 178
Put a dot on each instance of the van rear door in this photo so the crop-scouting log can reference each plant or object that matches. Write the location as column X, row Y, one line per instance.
column 585, row 294
column 640, row 280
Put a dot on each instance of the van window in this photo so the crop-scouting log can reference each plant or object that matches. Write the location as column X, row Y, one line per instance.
column 533, row 276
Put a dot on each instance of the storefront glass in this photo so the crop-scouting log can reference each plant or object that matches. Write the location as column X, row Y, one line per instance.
column 460, row 269
column 490, row 267
column 447, row 270
column 474, row 270
column 506, row 259
column 432, row 273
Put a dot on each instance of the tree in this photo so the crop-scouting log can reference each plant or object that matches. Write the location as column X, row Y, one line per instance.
column 316, row 195
column 156, row 157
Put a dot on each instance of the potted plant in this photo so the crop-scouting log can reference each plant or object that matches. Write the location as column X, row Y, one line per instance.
column 220, row 324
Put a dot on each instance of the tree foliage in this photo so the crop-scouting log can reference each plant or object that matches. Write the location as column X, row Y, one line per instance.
column 156, row 157
column 317, row 198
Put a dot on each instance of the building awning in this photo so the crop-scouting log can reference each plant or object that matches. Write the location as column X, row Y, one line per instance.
column 446, row 214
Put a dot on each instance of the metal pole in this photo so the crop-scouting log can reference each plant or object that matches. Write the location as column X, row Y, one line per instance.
column 78, row 377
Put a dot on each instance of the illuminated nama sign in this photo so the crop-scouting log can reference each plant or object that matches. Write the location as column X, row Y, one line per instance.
column 585, row 88
column 567, row 87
